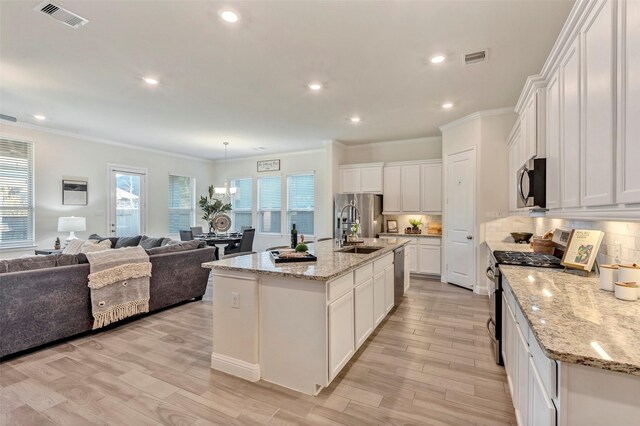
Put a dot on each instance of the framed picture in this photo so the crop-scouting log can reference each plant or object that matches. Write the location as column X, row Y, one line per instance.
column 582, row 249
column 74, row 192
column 269, row 166
column 392, row 226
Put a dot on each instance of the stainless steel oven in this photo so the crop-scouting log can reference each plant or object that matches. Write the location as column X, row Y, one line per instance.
column 531, row 184
column 494, row 323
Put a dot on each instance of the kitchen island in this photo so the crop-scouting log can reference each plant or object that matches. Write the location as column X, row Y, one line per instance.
column 298, row 324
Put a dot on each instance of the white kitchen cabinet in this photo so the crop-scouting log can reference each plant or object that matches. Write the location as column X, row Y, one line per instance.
column 379, row 297
column 392, row 196
column 509, row 343
column 412, row 252
column 429, row 258
column 530, row 136
column 431, row 188
column 364, row 311
column 628, row 111
column 407, row 275
column 341, row 333
column 361, row 178
column 553, row 141
column 570, row 126
column 410, row 189
column 514, row 165
column 541, row 411
column 597, row 105
column 522, row 375
column 389, row 284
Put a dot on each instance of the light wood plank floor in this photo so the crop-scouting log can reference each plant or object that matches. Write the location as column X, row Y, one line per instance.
column 428, row 364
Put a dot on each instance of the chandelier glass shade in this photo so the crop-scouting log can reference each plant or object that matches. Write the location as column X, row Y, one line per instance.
column 225, row 190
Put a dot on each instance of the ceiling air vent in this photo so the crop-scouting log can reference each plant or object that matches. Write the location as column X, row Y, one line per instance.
column 61, row 14
column 475, row 57
column 8, row 118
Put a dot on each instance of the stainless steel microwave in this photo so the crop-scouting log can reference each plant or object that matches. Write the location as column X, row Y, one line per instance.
column 531, row 185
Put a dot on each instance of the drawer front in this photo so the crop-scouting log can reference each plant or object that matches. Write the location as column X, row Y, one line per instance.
column 363, row 273
column 546, row 368
column 340, row 286
column 509, row 295
column 430, row 241
column 382, row 263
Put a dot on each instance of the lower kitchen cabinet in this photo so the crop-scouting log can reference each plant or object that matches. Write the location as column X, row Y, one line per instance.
column 364, row 311
column 412, row 252
column 341, row 333
column 429, row 259
column 379, row 297
column 389, row 283
column 542, row 412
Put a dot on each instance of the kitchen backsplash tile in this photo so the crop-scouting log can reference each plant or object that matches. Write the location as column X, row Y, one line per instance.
column 501, row 229
column 621, row 241
column 403, row 220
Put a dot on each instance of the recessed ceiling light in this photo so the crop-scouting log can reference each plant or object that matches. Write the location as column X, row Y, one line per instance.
column 315, row 86
column 229, row 16
column 150, row 80
column 355, row 119
column 437, row 59
column 39, row 117
column 447, row 105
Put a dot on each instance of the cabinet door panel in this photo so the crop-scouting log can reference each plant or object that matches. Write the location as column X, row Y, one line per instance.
column 411, row 188
column 532, row 128
column 379, row 297
column 598, row 74
column 429, row 259
column 412, row 250
column 522, row 378
column 350, row 181
column 570, row 127
column 542, row 412
column 389, row 283
column 363, row 311
column 628, row 183
column 553, row 142
column 407, row 276
column 341, row 333
column 371, row 180
column 392, row 194
column 431, row 188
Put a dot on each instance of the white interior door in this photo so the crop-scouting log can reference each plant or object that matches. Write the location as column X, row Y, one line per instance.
column 127, row 201
column 461, row 206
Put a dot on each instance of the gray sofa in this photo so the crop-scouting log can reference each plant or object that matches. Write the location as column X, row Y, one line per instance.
column 44, row 305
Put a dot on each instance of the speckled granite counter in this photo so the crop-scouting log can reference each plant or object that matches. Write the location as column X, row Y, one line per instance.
column 570, row 316
column 403, row 235
column 330, row 264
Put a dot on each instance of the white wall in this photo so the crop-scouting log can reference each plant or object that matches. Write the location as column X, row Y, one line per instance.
column 426, row 148
column 59, row 155
column 304, row 161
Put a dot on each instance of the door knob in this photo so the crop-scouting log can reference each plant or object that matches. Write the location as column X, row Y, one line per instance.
column 469, row 237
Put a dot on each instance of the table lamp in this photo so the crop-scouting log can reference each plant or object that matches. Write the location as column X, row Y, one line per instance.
column 70, row 225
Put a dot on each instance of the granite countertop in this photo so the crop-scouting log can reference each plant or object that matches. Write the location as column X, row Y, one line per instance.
column 570, row 317
column 508, row 246
column 330, row 263
column 402, row 234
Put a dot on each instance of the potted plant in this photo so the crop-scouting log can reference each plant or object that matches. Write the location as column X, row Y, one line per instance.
column 354, row 231
column 416, row 223
column 212, row 207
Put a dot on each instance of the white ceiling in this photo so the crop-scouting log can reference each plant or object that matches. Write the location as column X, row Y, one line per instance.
column 246, row 83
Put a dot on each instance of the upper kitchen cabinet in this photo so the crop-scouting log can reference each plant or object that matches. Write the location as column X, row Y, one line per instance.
column 569, row 73
column 628, row 150
column 361, row 178
column 531, row 109
column 392, row 198
column 598, row 49
column 413, row 187
column 514, row 144
column 553, row 141
column 431, row 188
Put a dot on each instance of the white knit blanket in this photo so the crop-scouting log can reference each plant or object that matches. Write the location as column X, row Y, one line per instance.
column 119, row 283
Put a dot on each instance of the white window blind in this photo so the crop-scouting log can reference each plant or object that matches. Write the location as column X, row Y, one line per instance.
column 301, row 202
column 16, row 194
column 269, row 204
column 242, row 204
column 181, row 203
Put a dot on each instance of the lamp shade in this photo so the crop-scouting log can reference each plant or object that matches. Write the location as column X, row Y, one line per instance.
column 72, row 224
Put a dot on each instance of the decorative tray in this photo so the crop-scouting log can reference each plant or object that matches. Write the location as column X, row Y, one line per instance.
column 281, row 257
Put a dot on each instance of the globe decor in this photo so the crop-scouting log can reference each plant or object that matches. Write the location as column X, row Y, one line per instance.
column 212, row 207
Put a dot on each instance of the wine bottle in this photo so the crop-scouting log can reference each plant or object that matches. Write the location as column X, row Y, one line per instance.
column 294, row 237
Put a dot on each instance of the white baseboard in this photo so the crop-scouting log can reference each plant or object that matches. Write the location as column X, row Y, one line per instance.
column 235, row 367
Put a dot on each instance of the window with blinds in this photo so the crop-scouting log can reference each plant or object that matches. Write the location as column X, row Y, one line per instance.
column 301, row 202
column 16, row 194
column 269, row 204
column 182, row 206
column 242, row 204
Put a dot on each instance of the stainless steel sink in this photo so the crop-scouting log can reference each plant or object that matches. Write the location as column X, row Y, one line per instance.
column 359, row 250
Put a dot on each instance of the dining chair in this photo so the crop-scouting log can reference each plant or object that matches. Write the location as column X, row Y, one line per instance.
column 246, row 243
column 186, row 235
column 196, row 230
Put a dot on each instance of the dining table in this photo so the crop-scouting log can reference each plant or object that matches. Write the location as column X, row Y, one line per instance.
column 220, row 240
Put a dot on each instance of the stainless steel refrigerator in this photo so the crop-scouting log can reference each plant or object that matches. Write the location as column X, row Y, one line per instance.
column 370, row 207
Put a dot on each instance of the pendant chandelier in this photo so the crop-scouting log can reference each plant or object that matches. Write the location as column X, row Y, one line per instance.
column 225, row 191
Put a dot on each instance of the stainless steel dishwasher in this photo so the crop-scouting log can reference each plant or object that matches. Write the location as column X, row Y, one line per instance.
column 398, row 275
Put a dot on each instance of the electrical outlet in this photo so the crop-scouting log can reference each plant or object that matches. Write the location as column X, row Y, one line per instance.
column 235, row 302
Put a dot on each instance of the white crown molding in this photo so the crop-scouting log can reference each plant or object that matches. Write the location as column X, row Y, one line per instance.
column 361, row 165
column 272, row 155
column 396, row 142
column 414, row 162
column 476, row 115
column 103, row 141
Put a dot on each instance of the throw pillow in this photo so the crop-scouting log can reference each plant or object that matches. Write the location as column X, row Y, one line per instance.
column 128, row 241
column 149, row 243
column 73, row 247
column 174, row 248
column 93, row 246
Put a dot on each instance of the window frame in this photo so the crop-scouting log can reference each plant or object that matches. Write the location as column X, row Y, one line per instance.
column 192, row 216
column 258, row 210
column 288, row 210
column 31, row 206
column 253, row 205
